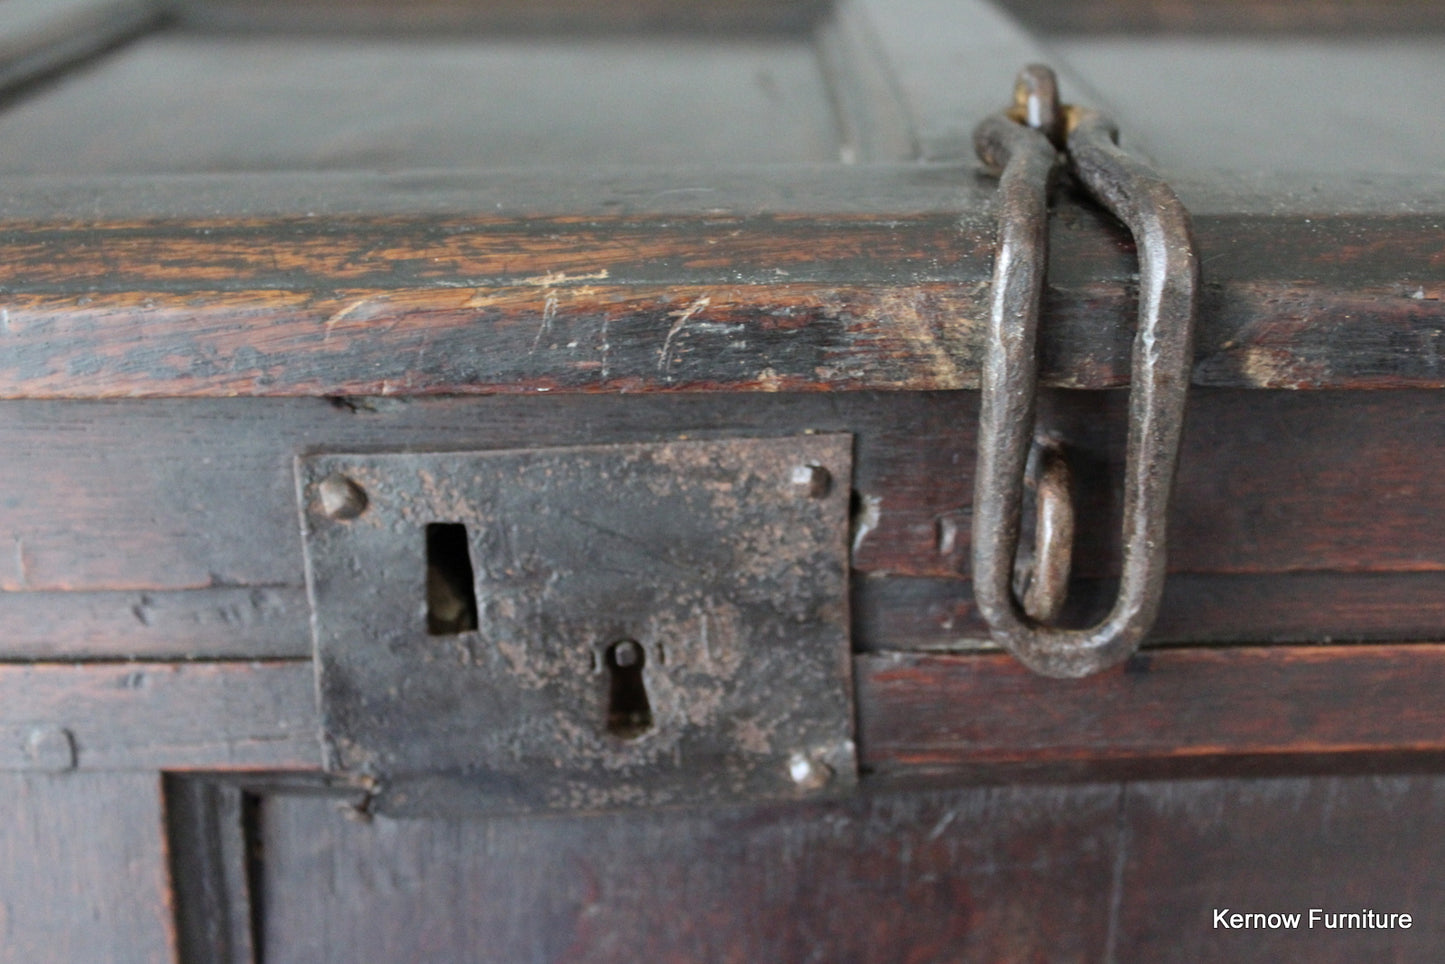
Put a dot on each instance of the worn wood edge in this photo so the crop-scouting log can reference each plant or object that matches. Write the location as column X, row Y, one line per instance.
column 358, row 306
column 679, row 338
column 887, row 189
column 702, row 189
column 158, row 716
column 940, row 711
column 682, row 338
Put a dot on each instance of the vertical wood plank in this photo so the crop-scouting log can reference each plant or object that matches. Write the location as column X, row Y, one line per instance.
column 83, row 869
column 211, row 865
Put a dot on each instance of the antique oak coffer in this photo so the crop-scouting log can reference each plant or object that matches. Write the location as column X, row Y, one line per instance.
column 692, row 482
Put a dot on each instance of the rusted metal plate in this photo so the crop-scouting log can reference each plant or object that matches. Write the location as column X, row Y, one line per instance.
column 651, row 625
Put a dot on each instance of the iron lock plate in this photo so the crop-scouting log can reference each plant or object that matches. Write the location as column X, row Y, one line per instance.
column 650, row 624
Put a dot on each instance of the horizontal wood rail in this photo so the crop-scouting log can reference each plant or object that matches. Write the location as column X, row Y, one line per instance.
column 706, row 286
column 917, row 712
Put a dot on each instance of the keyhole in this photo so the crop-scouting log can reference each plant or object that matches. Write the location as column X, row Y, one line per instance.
column 629, row 714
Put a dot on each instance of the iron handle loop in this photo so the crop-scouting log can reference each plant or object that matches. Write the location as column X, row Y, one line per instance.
column 1030, row 160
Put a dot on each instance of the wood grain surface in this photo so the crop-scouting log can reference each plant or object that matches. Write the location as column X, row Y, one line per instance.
column 222, row 623
column 132, row 496
column 159, row 716
column 714, row 302
column 896, row 878
column 932, row 613
column 918, row 713
column 1339, row 845
column 1119, row 872
column 925, row 711
column 83, row 869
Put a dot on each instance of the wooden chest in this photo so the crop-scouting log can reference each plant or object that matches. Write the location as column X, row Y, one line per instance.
column 486, row 481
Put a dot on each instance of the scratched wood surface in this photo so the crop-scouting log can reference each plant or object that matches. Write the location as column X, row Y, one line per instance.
column 158, row 538
column 719, row 302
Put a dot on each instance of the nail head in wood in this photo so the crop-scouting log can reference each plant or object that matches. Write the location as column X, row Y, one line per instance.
column 50, row 748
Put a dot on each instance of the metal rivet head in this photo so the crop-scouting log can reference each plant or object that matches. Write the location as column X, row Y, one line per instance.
column 813, row 479
column 807, row 773
column 340, row 498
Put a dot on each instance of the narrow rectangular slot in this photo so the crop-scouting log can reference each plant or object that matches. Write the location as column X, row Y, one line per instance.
column 451, row 596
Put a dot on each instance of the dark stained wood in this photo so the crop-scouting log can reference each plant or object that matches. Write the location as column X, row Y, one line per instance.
column 213, row 854
column 134, row 523
column 153, row 716
column 224, row 623
column 716, row 302
column 1272, row 846
column 82, row 869
column 1095, row 872
column 889, row 612
column 937, row 711
column 171, row 494
column 920, row 715
column 922, row 613
column 982, row 875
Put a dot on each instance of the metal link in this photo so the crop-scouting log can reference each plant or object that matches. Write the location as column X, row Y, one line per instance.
column 1162, row 357
column 1041, row 577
